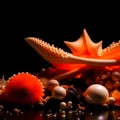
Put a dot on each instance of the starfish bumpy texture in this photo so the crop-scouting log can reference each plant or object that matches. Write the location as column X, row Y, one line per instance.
column 83, row 52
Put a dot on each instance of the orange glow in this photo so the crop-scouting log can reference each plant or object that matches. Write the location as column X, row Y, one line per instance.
column 23, row 88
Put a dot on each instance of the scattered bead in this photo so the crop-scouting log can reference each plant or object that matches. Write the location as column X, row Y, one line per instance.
column 111, row 101
column 59, row 92
column 52, row 84
column 115, row 76
column 69, row 104
column 63, row 105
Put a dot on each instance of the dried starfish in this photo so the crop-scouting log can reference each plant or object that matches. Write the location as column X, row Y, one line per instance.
column 84, row 52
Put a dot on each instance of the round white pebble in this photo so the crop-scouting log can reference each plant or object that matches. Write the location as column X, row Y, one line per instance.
column 96, row 94
column 59, row 92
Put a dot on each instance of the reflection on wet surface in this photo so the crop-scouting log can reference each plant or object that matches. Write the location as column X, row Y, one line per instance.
column 61, row 115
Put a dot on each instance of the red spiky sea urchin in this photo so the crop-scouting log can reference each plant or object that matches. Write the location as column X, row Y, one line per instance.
column 23, row 88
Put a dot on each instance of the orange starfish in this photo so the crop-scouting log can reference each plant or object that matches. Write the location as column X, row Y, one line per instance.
column 84, row 52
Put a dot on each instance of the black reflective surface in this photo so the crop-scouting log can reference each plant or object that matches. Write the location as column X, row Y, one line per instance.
column 71, row 114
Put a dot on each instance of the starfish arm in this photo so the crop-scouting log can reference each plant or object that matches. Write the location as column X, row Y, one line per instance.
column 95, row 49
column 54, row 55
column 112, row 51
column 94, row 62
column 67, row 75
column 84, row 46
column 77, row 47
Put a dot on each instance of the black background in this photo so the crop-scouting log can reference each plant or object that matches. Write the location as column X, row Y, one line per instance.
column 54, row 23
